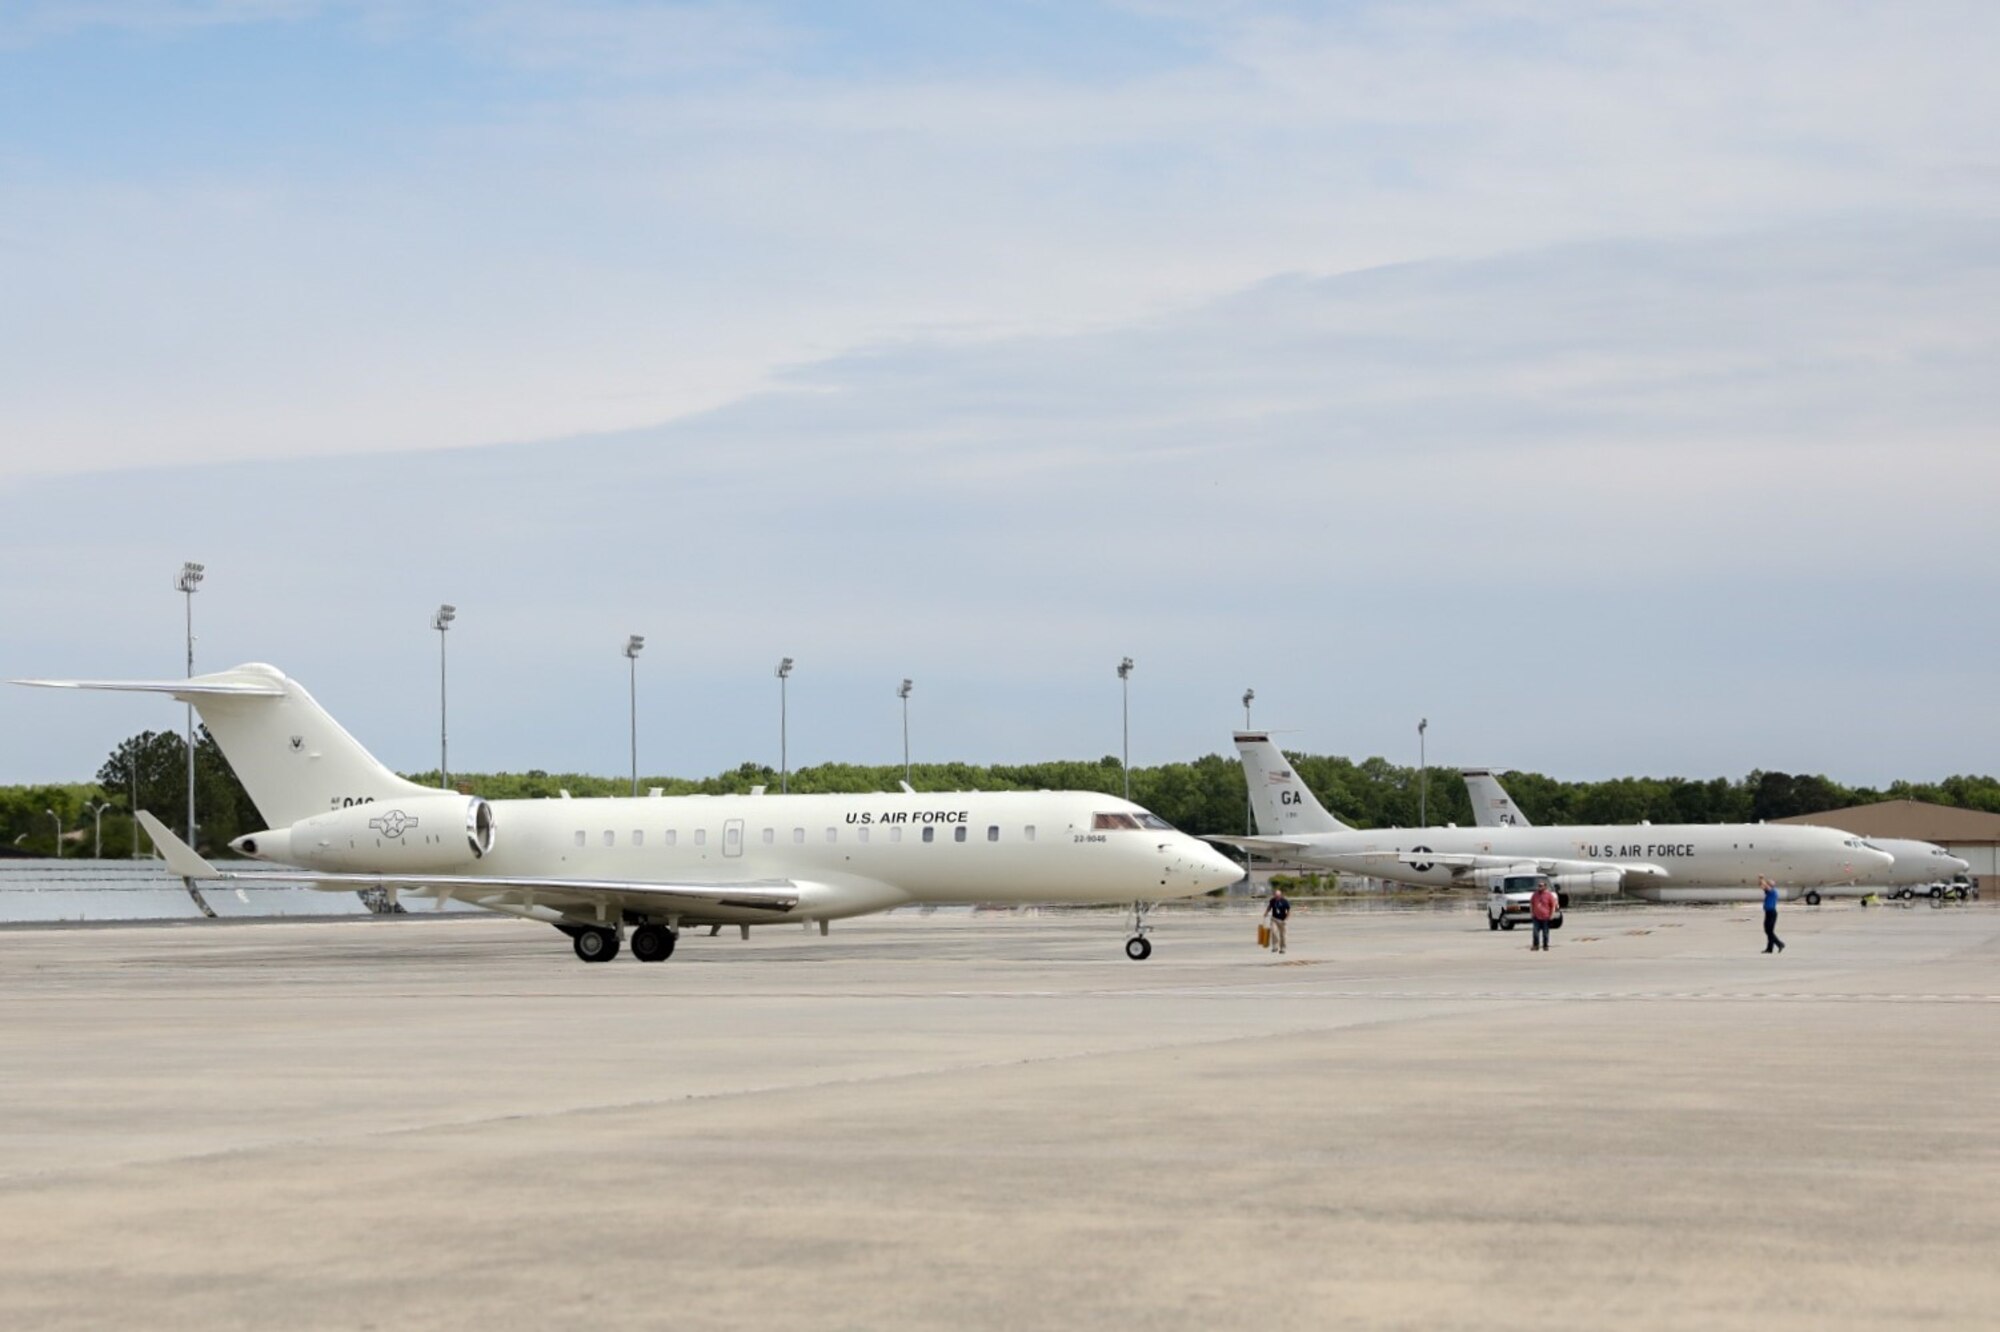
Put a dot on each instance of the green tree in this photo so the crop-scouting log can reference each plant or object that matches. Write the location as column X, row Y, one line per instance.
column 151, row 769
column 154, row 765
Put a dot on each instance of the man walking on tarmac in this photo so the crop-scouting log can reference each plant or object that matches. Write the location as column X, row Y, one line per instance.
column 1542, row 907
column 1771, row 939
column 1278, row 908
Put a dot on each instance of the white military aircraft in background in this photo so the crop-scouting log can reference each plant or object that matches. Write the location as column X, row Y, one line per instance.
column 1666, row 863
column 1916, row 864
column 594, row 868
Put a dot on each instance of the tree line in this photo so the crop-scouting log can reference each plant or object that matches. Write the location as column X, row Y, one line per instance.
column 1206, row 795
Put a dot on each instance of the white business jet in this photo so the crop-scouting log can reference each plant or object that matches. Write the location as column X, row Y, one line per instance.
column 1914, row 864
column 1667, row 863
column 596, row 868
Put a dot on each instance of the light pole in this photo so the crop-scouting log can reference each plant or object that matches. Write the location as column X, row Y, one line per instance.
column 58, row 822
column 1249, row 795
column 97, row 812
column 784, row 760
column 1249, row 805
column 1125, row 720
column 633, row 646
column 1423, row 776
column 441, row 621
column 903, row 692
column 189, row 582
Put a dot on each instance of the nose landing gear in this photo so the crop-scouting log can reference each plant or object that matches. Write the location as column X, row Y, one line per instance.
column 1138, row 947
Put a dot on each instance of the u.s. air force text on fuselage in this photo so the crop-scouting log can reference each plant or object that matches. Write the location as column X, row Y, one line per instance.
column 1636, row 850
column 908, row 816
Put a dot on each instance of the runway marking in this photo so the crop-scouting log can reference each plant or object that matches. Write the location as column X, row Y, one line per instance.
column 1252, row 992
column 1295, row 992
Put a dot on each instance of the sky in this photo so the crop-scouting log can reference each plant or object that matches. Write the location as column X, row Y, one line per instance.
column 1611, row 383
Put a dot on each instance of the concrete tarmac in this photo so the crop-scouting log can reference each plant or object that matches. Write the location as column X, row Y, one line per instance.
column 996, row 1121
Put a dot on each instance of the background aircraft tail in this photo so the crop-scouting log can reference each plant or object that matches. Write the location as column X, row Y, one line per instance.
column 1492, row 807
column 293, row 759
column 1281, row 802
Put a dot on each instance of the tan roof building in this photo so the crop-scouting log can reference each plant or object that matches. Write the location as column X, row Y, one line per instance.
column 1915, row 819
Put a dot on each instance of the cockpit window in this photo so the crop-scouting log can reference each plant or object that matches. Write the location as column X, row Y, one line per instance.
column 1107, row 821
column 1154, row 822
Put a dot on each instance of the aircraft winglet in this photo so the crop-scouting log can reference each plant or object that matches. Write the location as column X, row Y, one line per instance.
column 181, row 858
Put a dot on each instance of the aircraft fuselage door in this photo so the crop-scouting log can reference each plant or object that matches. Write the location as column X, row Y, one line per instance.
column 732, row 837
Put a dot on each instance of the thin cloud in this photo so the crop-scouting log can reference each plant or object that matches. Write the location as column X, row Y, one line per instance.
column 627, row 241
column 1521, row 493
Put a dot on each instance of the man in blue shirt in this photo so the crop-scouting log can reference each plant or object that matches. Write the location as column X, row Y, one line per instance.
column 1278, row 908
column 1772, row 943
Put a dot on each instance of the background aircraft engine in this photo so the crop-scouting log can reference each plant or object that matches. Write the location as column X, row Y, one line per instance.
column 424, row 834
column 1581, row 881
column 1595, row 883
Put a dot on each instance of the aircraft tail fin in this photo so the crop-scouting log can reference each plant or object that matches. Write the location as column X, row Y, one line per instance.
column 291, row 756
column 1280, row 801
column 1492, row 807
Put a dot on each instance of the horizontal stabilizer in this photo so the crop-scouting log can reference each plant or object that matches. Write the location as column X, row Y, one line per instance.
column 293, row 759
column 209, row 686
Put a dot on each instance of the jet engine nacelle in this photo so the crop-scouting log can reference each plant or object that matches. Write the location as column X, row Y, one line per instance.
column 1579, row 880
column 1592, row 883
column 425, row 834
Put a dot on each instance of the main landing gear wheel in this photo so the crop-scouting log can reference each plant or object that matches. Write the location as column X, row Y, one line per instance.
column 652, row 943
column 595, row 945
column 1812, row 899
column 1138, row 948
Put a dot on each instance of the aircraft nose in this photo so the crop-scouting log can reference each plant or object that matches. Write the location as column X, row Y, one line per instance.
column 1212, row 869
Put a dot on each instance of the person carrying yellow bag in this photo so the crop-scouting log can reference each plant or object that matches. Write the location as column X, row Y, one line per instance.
column 1277, row 910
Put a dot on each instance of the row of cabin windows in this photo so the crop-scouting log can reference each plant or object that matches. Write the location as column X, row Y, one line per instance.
column 672, row 835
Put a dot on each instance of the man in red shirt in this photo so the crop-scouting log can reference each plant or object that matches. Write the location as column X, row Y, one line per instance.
column 1542, row 907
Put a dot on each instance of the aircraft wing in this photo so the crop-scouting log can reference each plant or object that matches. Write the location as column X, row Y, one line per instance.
column 1262, row 846
column 514, row 894
column 1464, row 862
